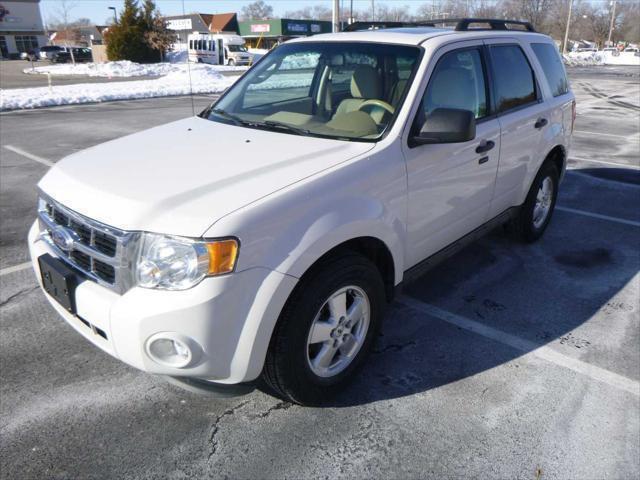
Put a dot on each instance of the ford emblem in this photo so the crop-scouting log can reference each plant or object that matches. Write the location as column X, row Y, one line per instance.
column 63, row 238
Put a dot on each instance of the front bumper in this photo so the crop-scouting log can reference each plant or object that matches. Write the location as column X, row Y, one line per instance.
column 229, row 319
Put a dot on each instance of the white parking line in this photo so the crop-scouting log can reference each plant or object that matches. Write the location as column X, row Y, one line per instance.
column 576, row 172
column 525, row 346
column 604, row 162
column 30, row 156
column 624, row 221
column 605, row 134
column 15, row 268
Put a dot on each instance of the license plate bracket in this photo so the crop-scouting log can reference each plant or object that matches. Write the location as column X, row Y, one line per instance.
column 59, row 281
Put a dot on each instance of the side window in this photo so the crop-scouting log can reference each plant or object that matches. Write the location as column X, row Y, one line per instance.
column 457, row 82
column 549, row 58
column 514, row 79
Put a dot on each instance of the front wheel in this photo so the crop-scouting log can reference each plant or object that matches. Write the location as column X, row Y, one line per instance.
column 231, row 62
column 326, row 330
column 535, row 214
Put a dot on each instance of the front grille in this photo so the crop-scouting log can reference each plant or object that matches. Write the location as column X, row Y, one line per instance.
column 102, row 253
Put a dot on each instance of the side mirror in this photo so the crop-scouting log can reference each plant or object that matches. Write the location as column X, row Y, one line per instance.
column 446, row 125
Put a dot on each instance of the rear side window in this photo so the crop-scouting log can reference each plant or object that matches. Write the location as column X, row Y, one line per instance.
column 552, row 66
column 514, row 80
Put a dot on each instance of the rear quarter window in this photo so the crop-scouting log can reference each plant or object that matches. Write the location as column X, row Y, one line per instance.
column 549, row 59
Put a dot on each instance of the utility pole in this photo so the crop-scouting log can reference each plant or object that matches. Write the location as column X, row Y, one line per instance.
column 336, row 16
column 373, row 10
column 566, row 32
column 613, row 18
column 351, row 14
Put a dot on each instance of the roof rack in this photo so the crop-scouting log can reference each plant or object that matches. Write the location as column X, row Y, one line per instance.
column 463, row 24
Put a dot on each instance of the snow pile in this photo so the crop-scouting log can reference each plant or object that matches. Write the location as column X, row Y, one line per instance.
column 123, row 68
column 204, row 79
column 177, row 56
column 586, row 59
column 583, row 59
column 257, row 53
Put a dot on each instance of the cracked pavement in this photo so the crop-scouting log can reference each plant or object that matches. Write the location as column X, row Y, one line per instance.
column 434, row 400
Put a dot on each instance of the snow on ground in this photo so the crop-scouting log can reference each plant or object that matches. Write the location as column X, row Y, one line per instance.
column 204, row 79
column 584, row 59
column 123, row 68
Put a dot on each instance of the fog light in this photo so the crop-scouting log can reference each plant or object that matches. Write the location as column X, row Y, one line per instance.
column 171, row 350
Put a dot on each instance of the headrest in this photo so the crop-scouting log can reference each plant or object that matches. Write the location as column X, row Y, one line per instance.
column 365, row 83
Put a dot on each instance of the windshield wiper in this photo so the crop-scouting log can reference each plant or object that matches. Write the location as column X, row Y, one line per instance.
column 235, row 119
column 285, row 126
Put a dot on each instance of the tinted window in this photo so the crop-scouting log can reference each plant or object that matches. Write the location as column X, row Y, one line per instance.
column 552, row 66
column 457, row 82
column 514, row 79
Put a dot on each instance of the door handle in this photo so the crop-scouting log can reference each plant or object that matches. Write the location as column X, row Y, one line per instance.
column 541, row 123
column 485, row 146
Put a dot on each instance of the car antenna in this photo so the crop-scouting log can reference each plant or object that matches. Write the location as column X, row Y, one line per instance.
column 193, row 107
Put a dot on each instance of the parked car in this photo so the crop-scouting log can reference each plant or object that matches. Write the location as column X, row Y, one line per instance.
column 30, row 56
column 345, row 165
column 587, row 49
column 47, row 52
column 80, row 55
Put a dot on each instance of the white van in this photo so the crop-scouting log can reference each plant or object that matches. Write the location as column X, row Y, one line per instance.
column 218, row 49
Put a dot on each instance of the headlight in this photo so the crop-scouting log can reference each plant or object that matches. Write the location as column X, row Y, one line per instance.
column 174, row 263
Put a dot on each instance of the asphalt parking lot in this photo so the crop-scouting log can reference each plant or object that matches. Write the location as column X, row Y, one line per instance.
column 507, row 361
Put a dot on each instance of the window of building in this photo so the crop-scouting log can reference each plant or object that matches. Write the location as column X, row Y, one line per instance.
column 25, row 43
column 4, row 51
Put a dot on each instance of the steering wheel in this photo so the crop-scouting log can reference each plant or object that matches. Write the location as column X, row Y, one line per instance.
column 377, row 103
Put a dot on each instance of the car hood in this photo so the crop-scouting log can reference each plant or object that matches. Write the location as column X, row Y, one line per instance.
column 182, row 177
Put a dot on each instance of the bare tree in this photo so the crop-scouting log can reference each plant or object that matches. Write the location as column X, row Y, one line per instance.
column 63, row 13
column 257, row 10
column 316, row 12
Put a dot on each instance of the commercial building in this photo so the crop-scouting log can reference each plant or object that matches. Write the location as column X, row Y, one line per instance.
column 85, row 36
column 267, row 33
column 21, row 27
column 183, row 25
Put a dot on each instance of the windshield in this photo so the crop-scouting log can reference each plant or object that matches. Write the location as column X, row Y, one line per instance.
column 237, row 48
column 343, row 90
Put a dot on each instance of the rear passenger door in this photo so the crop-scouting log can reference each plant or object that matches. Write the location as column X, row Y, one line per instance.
column 519, row 105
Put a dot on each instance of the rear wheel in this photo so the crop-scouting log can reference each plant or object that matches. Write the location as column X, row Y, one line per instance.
column 326, row 330
column 535, row 214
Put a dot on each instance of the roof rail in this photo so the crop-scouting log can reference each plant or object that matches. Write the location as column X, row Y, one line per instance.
column 463, row 24
column 359, row 26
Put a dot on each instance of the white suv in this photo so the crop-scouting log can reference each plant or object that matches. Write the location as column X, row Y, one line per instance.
column 264, row 237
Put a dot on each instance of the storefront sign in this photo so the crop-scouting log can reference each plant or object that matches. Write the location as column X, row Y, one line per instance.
column 260, row 28
column 180, row 24
column 298, row 27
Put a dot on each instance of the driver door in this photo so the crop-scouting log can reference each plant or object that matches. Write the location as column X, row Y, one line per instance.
column 450, row 185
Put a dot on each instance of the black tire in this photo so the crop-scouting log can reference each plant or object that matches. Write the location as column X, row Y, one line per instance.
column 231, row 62
column 523, row 225
column 286, row 371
